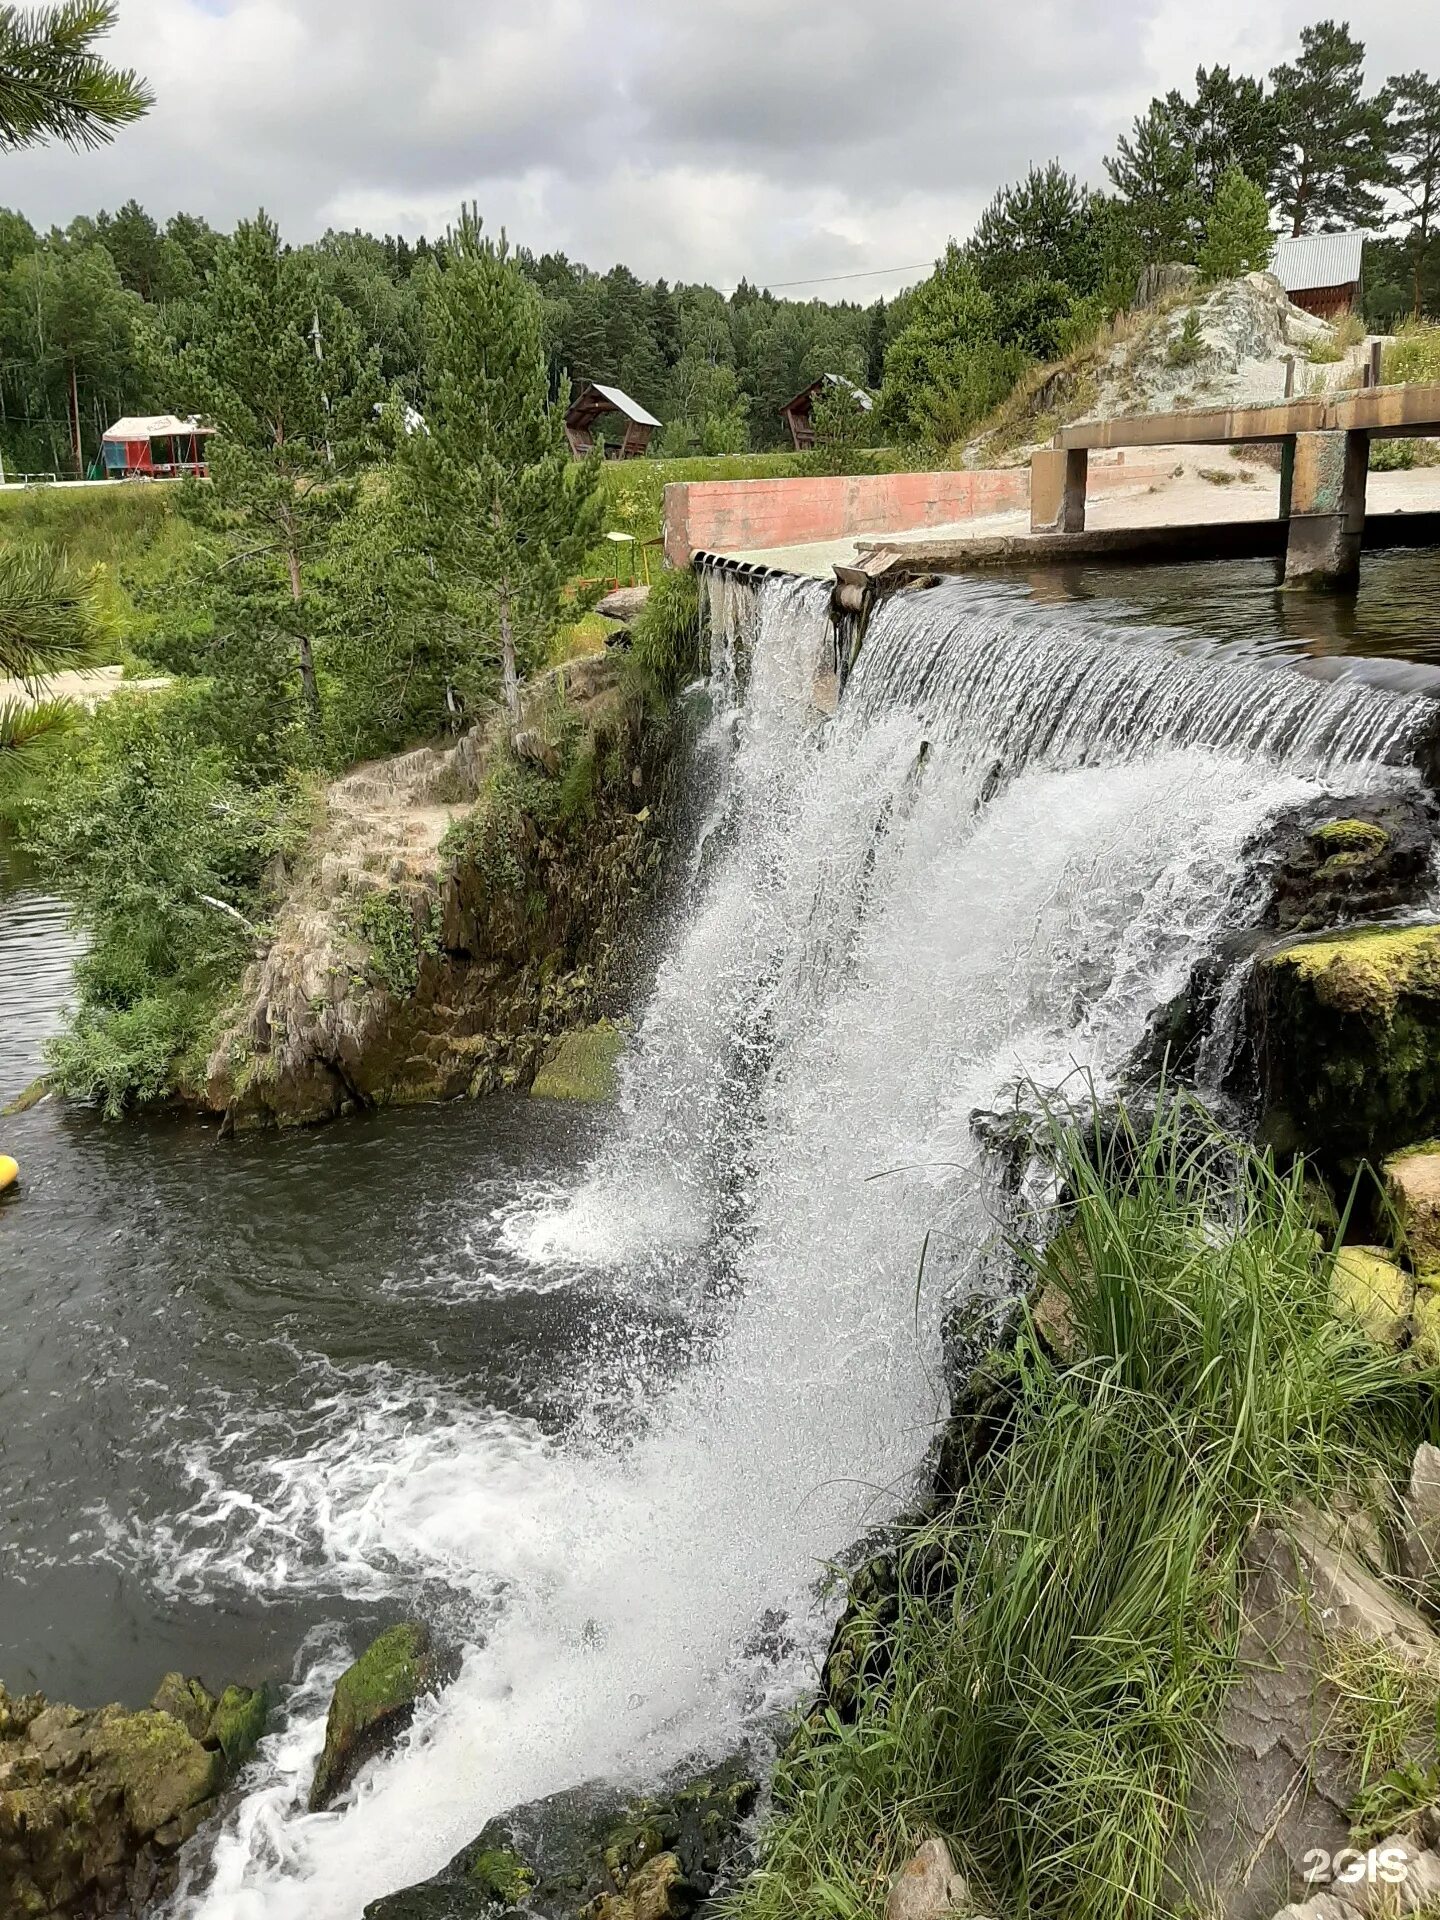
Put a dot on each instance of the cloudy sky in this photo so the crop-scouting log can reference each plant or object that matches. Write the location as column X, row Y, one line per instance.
column 790, row 140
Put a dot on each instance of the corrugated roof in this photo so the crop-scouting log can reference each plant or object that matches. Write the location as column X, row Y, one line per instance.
column 1318, row 260
column 622, row 403
column 831, row 380
column 146, row 426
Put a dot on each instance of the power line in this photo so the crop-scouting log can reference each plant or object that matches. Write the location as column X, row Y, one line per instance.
column 828, row 279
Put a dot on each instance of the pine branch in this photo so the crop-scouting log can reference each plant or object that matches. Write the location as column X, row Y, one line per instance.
column 53, row 86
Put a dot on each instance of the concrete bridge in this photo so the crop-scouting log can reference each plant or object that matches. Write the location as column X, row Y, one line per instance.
column 1325, row 461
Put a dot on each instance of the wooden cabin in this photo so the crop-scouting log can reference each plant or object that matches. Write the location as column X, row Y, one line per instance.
column 595, row 403
column 798, row 413
column 157, row 446
column 1321, row 272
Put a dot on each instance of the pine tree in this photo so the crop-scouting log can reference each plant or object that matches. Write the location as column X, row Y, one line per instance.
column 492, row 494
column 53, row 86
column 1332, row 157
column 1237, row 230
column 1153, row 169
column 279, row 367
column 1231, row 122
column 1413, row 138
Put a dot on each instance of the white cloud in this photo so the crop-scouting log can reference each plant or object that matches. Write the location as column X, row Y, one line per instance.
column 781, row 139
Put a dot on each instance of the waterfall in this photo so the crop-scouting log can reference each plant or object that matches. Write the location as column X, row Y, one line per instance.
column 1008, row 847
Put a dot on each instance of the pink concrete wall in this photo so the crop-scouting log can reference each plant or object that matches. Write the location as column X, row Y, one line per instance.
column 741, row 516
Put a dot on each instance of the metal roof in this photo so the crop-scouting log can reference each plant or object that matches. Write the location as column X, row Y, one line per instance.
column 621, row 402
column 150, row 426
column 831, row 380
column 1318, row 260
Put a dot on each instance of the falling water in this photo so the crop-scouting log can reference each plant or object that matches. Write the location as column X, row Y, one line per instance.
column 1010, row 845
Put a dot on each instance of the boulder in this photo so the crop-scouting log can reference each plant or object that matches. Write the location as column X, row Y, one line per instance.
column 1346, row 1032
column 581, row 1066
column 1367, row 1286
column 1283, row 1780
column 95, row 1805
column 1412, row 1188
column 928, row 1887
column 623, row 604
column 373, row 1703
column 1335, row 863
column 592, row 1854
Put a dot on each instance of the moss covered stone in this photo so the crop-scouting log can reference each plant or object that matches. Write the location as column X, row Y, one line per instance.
column 239, row 1722
column 500, row 1873
column 160, row 1768
column 374, row 1700
column 1348, row 1040
column 1367, row 1286
column 581, row 1066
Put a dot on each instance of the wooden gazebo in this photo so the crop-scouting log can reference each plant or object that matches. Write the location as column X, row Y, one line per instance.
column 591, row 405
column 797, row 413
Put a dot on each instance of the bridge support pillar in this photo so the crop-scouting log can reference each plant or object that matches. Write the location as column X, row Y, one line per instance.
column 1327, row 508
column 1057, row 489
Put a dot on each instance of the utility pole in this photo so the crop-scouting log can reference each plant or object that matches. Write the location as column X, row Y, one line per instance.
column 324, row 397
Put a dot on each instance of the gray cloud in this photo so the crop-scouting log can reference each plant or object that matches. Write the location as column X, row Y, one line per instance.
column 778, row 138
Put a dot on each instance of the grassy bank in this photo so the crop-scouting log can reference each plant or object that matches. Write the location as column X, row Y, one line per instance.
column 124, row 536
column 1067, row 1628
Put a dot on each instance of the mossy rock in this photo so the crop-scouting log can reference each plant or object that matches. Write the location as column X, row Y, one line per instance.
column 1368, row 1287
column 239, row 1722
column 582, row 1066
column 374, row 1701
column 161, row 1769
column 187, row 1700
column 588, row 1854
column 1347, row 1032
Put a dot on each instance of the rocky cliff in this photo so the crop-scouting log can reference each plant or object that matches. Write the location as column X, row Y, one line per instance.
column 459, row 910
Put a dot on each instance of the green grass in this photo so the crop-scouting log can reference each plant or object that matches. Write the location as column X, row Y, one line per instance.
column 123, row 536
column 1067, row 1630
column 1415, row 356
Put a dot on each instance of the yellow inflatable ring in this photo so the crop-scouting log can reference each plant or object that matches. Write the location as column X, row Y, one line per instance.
column 9, row 1172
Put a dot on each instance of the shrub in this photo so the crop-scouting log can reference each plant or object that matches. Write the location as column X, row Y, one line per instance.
column 1188, row 345
column 165, row 860
column 665, row 639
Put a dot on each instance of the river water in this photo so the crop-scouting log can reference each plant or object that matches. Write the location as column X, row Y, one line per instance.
column 602, row 1395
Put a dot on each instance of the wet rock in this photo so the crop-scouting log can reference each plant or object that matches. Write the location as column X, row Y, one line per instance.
column 1367, row 1286
column 928, row 1887
column 240, row 1716
column 373, row 1703
column 1347, row 1041
column 1335, row 863
column 581, row 1066
column 186, row 1701
column 94, row 1805
column 591, row 1854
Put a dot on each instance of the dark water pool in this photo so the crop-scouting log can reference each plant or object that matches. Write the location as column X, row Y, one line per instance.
column 180, row 1312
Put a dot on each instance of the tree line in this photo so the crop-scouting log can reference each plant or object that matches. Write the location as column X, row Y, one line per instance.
column 93, row 316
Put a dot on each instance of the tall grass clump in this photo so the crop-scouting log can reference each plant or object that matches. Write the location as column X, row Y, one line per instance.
column 1068, row 1627
column 1414, row 356
column 665, row 639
